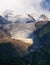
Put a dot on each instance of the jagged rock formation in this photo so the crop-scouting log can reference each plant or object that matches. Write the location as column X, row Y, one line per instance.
column 42, row 18
column 41, row 21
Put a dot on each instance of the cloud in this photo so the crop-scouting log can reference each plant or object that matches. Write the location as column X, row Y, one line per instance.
column 26, row 6
column 45, row 7
column 19, row 6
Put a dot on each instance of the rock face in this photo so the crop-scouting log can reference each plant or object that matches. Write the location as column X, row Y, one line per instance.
column 42, row 18
column 41, row 21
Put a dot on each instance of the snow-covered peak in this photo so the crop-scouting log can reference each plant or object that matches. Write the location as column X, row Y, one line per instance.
column 24, row 18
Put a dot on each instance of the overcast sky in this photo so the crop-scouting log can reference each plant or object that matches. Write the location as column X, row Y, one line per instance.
column 26, row 6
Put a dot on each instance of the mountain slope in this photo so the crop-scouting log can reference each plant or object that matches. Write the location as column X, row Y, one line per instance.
column 20, row 46
column 40, row 54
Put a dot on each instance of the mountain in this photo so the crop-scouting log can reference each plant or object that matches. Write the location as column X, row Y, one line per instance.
column 39, row 33
column 18, row 26
column 42, row 20
column 11, row 50
column 19, row 31
column 40, row 49
column 25, row 19
column 16, row 51
column 14, row 37
column 20, row 45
